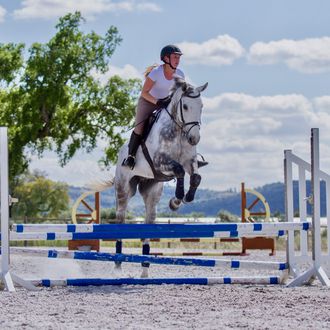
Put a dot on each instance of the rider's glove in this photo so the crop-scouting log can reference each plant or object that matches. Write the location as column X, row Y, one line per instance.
column 163, row 103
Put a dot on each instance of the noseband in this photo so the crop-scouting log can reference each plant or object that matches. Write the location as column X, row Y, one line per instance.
column 183, row 124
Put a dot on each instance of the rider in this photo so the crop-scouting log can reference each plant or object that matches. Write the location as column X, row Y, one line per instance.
column 154, row 95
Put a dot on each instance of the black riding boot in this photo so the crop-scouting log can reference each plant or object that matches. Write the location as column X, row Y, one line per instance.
column 133, row 146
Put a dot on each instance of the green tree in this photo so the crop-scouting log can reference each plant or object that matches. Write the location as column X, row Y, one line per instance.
column 196, row 215
column 108, row 214
column 225, row 216
column 52, row 100
column 39, row 197
column 280, row 216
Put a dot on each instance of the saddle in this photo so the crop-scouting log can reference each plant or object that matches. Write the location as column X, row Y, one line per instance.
column 159, row 176
column 149, row 123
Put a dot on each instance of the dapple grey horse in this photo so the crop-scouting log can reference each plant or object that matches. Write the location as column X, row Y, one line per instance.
column 168, row 152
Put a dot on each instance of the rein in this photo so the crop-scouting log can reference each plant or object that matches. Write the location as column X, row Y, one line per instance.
column 183, row 124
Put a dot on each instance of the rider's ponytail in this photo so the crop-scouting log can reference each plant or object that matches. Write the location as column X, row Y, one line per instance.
column 149, row 69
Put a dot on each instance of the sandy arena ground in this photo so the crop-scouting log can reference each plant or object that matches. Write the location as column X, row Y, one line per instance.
column 158, row 307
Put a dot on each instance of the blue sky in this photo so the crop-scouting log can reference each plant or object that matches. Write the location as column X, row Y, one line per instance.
column 267, row 64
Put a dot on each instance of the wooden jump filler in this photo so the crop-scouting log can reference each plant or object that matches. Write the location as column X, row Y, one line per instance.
column 247, row 215
column 92, row 216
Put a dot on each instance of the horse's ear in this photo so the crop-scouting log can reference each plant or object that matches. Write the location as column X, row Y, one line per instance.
column 202, row 88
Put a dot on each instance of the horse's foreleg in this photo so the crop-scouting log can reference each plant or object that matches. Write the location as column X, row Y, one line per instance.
column 179, row 189
column 195, row 180
column 179, row 172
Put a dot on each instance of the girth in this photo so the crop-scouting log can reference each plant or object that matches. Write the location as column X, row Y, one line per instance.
column 159, row 176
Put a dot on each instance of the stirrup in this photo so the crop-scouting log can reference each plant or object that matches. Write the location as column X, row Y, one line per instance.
column 129, row 162
column 201, row 163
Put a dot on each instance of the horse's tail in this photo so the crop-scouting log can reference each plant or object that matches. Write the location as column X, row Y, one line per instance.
column 101, row 185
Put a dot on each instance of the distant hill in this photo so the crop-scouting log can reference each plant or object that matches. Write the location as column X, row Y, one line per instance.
column 210, row 202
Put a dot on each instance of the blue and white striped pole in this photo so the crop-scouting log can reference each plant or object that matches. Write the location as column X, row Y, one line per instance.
column 163, row 229
column 115, row 257
column 263, row 280
column 144, row 231
column 51, row 236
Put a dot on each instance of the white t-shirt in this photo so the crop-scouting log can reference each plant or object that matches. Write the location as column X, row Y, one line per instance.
column 162, row 86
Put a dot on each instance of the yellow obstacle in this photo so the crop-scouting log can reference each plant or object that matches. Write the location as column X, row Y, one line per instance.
column 248, row 215
column 92, row 217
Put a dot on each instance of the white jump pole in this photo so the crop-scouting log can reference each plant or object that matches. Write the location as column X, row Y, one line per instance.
column 293, row 257
column 290, row 252
column 316, row 270
column 6, row 276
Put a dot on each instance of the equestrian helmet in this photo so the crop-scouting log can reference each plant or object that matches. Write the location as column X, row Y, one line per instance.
column 168, row 50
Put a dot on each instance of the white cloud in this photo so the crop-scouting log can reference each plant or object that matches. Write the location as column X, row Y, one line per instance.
column 222, row 50
column 80, row 171
column 250, row 107
column 322, row 103
column 243, row 138
column 128, row 71
column 306, row 56
column 322, row 108
column 89, row 9
column 3, row 12
column 148, row 6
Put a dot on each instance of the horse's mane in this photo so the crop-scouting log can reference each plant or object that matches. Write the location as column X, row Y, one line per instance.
column 179, row 82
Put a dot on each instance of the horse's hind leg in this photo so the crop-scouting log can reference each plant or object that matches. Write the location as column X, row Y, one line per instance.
column 151, row 192
column 124, row 191
column 121, row 205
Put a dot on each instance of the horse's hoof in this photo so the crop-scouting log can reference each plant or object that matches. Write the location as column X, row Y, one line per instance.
column 174, row 203
column 145, row 272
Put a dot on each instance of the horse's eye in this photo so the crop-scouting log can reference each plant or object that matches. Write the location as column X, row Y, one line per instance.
column 185, row 107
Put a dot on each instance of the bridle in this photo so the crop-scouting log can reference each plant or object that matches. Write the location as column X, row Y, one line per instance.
column 182, row 124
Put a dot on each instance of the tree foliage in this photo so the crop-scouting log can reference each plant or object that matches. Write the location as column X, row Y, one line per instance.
column 108, row 215
column 226, row 216
column 39, row 197
column 52, row 101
